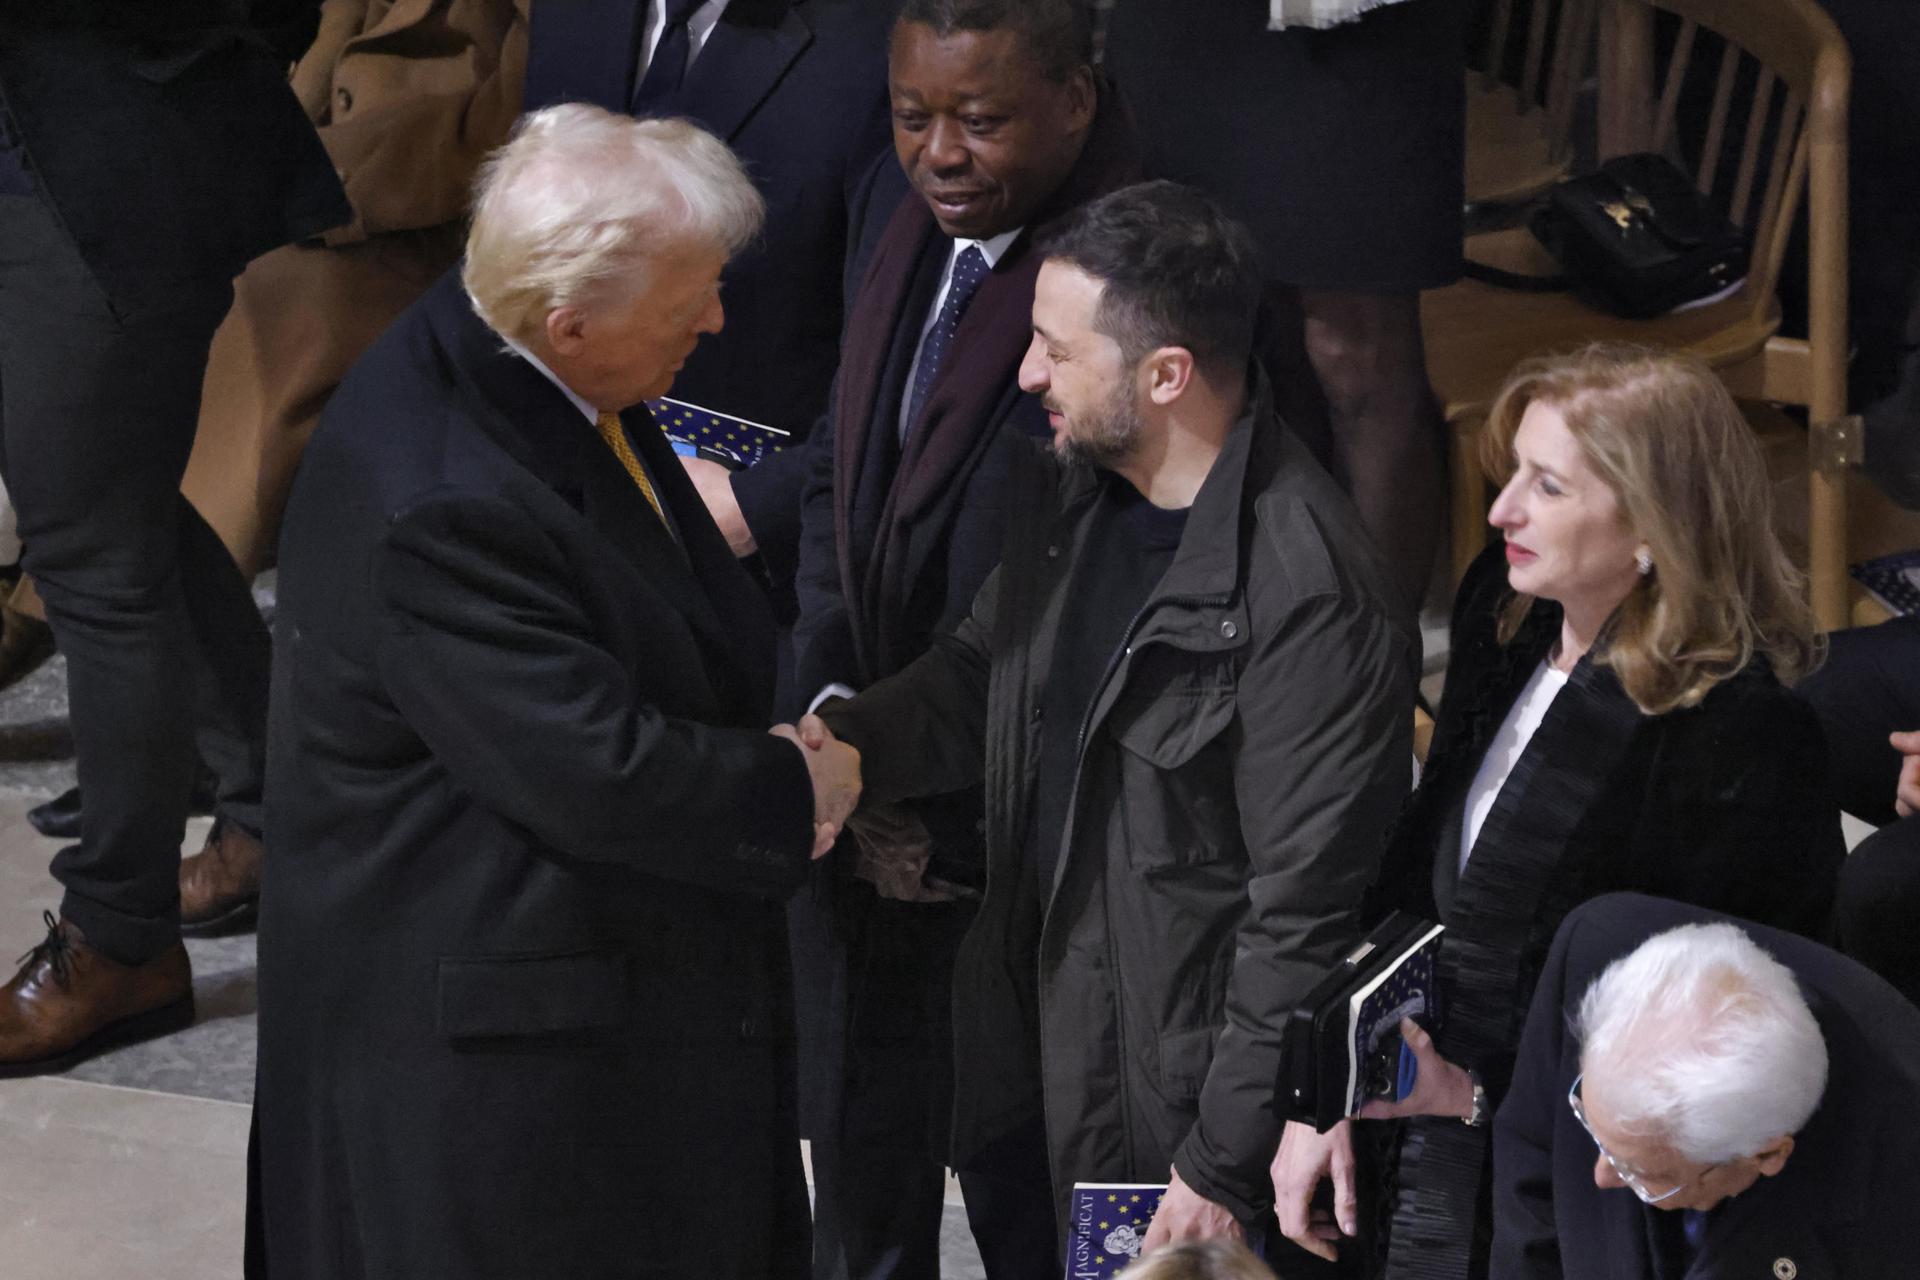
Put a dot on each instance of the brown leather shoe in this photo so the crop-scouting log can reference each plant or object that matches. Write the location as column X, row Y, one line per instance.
column 220, row 885
column 69, row 1002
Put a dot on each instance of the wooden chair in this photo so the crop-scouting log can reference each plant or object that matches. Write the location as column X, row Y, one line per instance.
column 1520, row 99
column 1791, row 127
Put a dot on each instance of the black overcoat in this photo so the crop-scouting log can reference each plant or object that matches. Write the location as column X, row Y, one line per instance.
column 1842, row 1209
column 523, row 998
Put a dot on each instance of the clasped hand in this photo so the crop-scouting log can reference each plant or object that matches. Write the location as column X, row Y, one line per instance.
column 1306, row 1159
column 834, row 767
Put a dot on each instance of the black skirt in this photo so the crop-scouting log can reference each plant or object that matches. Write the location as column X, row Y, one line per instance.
column 1342, row 149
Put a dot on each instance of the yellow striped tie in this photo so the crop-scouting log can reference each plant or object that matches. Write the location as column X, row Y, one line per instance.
column 616, row 438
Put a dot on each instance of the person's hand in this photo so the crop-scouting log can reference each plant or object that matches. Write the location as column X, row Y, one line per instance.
column 1440, row 1088
column 1185, row 1214
column 834, row 767
column 1906, row 792
column 715, row 484
column 1304, row 1161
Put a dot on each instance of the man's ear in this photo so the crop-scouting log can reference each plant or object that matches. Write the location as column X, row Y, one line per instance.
column 566, row 330
column 1169, row 372
column 1773, row 1158
column 1083, row 99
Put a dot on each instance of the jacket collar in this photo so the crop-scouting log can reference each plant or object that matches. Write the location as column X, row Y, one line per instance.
column 528, row 416
column 1206, row 569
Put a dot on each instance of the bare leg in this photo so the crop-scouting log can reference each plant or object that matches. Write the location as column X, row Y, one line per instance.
column 1387, row 431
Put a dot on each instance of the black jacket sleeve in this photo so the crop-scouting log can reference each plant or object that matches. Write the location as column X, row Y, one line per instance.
column 487, row 655
column 923, row 732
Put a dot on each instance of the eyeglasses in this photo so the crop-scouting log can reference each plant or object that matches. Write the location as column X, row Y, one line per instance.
column 1635, row 1183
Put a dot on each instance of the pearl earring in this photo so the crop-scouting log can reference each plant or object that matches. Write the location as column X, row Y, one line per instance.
column 1643, row 561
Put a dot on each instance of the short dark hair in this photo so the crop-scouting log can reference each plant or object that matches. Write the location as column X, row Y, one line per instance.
column 1058, row 32
column 1177, row 272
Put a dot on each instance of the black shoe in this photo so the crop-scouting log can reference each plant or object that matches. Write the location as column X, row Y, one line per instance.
column 59, row 818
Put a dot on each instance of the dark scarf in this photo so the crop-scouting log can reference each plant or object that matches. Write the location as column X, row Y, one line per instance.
column 961, row 415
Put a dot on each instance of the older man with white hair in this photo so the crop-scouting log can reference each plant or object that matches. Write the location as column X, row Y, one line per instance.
column 523, row 1009
column 1721, row 1099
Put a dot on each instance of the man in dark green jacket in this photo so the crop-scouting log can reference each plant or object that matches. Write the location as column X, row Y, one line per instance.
column 1190, row 700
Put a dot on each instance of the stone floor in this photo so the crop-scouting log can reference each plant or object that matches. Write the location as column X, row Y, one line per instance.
column 133, row 1164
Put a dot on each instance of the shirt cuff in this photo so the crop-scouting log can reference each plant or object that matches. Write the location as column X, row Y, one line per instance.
column 832, row 691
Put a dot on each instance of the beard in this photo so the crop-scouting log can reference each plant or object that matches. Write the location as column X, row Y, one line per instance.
column 1103, row 437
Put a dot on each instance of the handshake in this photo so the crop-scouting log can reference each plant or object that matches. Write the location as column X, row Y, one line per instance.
column 834, row 767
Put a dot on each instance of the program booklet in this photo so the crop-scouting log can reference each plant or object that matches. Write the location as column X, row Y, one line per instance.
column 700, row 432
column 1108, row 1225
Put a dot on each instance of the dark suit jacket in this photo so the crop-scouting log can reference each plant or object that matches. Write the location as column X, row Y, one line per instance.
column 165, row 135
column 524, row 1004
column 798, row 88
column 1843, row 1207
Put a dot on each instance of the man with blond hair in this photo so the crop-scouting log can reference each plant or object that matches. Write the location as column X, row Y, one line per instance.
column 522, row 998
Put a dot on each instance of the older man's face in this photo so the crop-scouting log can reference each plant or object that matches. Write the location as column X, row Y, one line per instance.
column 1660, row 1170
column 982, row 134
column 620, row 350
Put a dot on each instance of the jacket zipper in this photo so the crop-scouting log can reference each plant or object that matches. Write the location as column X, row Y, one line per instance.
column 1123, row 649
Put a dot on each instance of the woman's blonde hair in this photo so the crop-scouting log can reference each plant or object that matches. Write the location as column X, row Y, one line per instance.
column 1666, row 437
column 1199, row 1260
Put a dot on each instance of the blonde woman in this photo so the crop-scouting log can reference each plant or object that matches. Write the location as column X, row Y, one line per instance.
column 1616, row 717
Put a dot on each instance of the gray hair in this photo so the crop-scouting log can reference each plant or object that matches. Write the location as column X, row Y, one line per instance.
column 1706, row 1043
column 580, row 201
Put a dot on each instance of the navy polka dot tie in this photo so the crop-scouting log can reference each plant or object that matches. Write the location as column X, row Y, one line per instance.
column 969, row 270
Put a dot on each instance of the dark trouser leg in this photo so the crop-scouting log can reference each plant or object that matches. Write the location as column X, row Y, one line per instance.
column 876, row 978
column 97, row 414
column 1387, row 432
column 1879, row 904
column 1868, row 688
column 1010, row 1208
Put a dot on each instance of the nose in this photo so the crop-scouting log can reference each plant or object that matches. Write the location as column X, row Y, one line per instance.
column 1605, row 1176
column 1033, row 369
column 946, row 148
column 714, row 318
column 1505, row 513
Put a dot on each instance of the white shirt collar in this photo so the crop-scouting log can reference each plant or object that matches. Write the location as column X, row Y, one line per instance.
column 992, row 250
column 592, row 414
column 700, row 25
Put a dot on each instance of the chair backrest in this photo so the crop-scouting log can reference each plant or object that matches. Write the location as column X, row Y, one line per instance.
column 1544, row 52
column 1776, row 76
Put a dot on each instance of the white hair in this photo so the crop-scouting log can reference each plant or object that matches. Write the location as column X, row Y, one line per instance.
column 581, row 201
column 1705, row 1042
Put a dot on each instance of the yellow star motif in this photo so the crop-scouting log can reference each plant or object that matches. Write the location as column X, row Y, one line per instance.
column 1135, row 1199
column 1099, row 1259
column 1112, row 1199
column 1105, row 1226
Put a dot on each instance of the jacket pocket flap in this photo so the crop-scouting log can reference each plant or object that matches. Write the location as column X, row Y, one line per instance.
column 1170, row 728
column 531, row 995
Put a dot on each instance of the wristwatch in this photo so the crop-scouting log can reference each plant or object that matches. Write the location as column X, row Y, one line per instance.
column 1479, row 1116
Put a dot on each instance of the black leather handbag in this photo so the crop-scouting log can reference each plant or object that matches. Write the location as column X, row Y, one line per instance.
column 1635, row 238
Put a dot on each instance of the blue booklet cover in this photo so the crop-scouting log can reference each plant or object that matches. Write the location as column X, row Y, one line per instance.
column 1409, row 989
column 1108, row 1224
column 698, row 431
column 1894, row 580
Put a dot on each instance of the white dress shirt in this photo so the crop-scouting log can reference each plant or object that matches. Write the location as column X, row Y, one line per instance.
column 992, row 250
column 700, row 25
column 1516, row 731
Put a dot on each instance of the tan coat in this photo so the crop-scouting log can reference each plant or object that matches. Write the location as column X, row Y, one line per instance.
column 408, row 96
